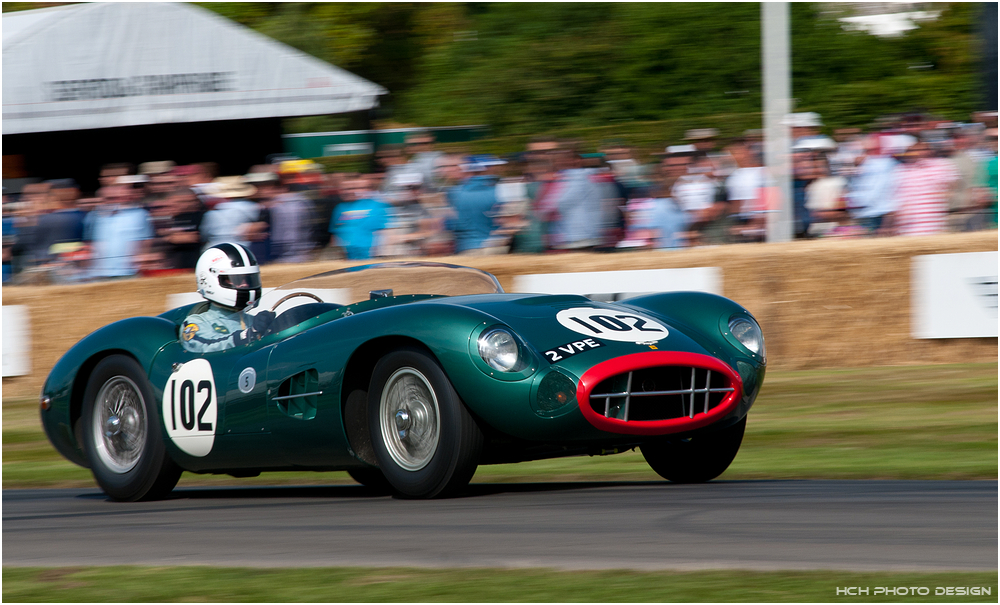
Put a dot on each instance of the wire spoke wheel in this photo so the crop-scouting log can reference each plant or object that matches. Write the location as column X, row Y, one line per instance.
column 121, row 432
column 425, row 442
column 121, row 425
column 411, row 423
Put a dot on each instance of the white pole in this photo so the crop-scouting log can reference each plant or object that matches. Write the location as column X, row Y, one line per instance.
column 777, row 105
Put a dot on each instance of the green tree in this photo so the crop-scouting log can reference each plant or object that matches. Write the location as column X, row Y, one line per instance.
column 535, row 67
column 543, row 66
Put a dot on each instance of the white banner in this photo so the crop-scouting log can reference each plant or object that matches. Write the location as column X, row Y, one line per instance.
column 609, row 286
column 16, row 336
column 954, row 295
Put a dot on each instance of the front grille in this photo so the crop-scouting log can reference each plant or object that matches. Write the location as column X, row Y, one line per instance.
column 660, row 393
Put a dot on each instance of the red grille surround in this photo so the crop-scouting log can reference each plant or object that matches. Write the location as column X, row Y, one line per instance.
column 637, row 361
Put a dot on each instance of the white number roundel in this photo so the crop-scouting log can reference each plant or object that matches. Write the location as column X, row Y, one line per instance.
column 248, row 378
column 608, row 324
column 189, row 409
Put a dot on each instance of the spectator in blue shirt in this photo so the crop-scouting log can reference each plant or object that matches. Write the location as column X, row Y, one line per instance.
column 9, row 237
column 120, row 233
column 356, row 222
column 475, row 203
column 669, row 223
column 64, row 224
column 232, row 218
column 871, row 193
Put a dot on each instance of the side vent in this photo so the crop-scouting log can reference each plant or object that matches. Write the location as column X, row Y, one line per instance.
column 297, row 395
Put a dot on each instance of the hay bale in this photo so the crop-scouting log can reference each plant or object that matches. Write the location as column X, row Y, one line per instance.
column 820, row 303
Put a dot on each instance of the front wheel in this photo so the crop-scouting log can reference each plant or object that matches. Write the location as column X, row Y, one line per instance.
column 372, row 478
column 426, row 442
column 696, row 459
column 121, row 433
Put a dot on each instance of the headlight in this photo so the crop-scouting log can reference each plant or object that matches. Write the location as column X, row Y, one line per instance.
column 499, row 349
column 747, row 332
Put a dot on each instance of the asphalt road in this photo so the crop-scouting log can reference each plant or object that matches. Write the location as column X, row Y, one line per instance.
column 849, row 525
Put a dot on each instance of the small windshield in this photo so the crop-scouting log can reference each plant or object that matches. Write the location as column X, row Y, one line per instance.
column 356, row 284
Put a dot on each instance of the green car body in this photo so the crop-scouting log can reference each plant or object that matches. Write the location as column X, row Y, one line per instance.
column 299, row 398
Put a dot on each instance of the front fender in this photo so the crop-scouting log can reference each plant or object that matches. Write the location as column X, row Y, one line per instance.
column 446, row 329
column 705, row 318
column 138, row 337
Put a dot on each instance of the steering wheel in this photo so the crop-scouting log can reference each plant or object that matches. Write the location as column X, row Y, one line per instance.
column 293, row 295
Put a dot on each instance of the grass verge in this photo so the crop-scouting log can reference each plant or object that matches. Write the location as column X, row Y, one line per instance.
column 210, row 584
column 919, row 422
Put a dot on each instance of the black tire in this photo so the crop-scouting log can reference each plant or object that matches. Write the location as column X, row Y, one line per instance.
column 696, row 459
column 131, row 464
column 372, row 478
column 426, row 443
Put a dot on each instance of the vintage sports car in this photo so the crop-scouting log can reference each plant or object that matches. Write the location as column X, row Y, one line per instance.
column 408, row 376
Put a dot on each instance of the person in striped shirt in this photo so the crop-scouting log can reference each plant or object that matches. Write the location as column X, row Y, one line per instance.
column 923, row 186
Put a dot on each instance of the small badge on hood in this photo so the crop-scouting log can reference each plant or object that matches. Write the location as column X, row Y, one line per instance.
column 610, row 324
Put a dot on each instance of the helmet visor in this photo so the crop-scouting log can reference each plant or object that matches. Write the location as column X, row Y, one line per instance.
column 240, row 281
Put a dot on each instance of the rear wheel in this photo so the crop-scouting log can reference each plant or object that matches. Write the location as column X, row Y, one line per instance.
column 121, row 433
column 696, row 459
column 426, row 442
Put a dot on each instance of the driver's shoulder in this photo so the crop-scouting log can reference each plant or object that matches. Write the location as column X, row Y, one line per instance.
column 210, row 315
column 194, row 318
column 197, row 310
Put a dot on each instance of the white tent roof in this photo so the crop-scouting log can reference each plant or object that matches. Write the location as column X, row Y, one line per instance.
column 124, row 64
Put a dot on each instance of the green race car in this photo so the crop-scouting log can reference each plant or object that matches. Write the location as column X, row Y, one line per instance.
column 408, row 376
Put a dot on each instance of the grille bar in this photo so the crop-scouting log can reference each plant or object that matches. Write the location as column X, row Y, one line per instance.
column 655, row 393
column 690, row 392
column 708, row 382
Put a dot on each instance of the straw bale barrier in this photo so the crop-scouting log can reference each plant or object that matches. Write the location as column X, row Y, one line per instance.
column 821, row 304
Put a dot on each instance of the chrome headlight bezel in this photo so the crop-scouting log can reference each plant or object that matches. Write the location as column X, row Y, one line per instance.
column 501, row 350
column 745, row 331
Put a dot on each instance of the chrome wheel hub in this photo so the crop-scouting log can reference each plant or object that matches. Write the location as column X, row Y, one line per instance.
column 408, row 415
column 113, row 427
column 119, row 426
column 403, row 423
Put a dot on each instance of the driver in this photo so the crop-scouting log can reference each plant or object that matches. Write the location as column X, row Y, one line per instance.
column 229, row 278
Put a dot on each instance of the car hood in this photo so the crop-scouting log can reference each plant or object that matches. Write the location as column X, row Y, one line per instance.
column 576, row 332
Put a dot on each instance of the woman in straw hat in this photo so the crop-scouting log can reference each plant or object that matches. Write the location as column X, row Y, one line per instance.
column 230, row 218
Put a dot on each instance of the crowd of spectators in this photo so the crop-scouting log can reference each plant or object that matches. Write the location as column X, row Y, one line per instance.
column 911, row 176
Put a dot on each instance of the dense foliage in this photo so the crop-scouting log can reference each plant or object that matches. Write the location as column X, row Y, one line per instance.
column 536, row 67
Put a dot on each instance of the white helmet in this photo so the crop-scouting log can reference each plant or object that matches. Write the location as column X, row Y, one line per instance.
column 228, row 275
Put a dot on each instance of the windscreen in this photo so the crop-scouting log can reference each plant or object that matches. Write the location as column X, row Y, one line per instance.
column 355, row 284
